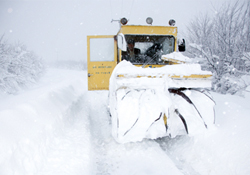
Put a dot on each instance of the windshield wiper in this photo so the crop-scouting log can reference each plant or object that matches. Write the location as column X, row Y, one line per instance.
column 154, row 58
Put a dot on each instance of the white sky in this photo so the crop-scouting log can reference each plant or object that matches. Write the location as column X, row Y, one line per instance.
column 57, row 29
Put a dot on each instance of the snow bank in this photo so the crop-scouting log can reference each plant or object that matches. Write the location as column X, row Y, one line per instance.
column 31, row 122
column 221, row 150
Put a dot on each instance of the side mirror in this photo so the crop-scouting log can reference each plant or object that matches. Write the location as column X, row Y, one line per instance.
column 182, row 46
column 122, row 44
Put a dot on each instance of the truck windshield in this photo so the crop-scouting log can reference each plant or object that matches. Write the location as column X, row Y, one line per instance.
column 148, row 48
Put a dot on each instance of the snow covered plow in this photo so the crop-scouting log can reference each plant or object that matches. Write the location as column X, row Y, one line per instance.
column 153, row 91
column 152, row 103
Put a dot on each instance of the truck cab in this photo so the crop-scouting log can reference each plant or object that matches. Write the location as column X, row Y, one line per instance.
column 150, row 43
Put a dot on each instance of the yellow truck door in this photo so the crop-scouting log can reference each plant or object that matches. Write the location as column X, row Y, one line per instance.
column 102, row 59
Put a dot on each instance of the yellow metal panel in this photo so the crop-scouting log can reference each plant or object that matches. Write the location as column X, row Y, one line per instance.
column 165, row 119
column 192, row 76
column 150, row 65
column 150, row 30
column 99, row 72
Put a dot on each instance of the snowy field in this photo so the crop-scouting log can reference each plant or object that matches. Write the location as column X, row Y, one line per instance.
column 57, row 127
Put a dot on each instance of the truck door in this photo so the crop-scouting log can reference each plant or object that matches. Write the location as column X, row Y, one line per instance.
column 102, row 59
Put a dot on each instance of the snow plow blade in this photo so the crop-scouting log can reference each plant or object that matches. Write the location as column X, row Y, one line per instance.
column 152, row 103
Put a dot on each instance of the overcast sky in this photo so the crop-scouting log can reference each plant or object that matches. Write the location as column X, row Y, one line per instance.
column 57, row 29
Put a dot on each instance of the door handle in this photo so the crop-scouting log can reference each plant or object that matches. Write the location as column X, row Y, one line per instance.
column 89, row 75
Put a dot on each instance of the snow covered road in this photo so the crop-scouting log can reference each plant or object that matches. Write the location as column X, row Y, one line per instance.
column 58, row 127
column 145, row 157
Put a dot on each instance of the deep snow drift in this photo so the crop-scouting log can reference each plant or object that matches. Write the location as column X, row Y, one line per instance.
column 58, row 127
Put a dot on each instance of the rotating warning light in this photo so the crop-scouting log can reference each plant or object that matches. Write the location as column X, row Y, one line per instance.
column 149, row 20
column 124, row 21
column 171, row 22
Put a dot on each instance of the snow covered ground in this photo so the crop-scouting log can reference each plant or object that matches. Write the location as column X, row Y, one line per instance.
column 58, row 127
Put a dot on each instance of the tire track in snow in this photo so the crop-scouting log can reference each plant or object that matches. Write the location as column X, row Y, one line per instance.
column 100, row 130
column 168, row 145
column 69, row 148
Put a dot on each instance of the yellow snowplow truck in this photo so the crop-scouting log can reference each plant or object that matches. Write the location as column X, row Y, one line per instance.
column 154, row 91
